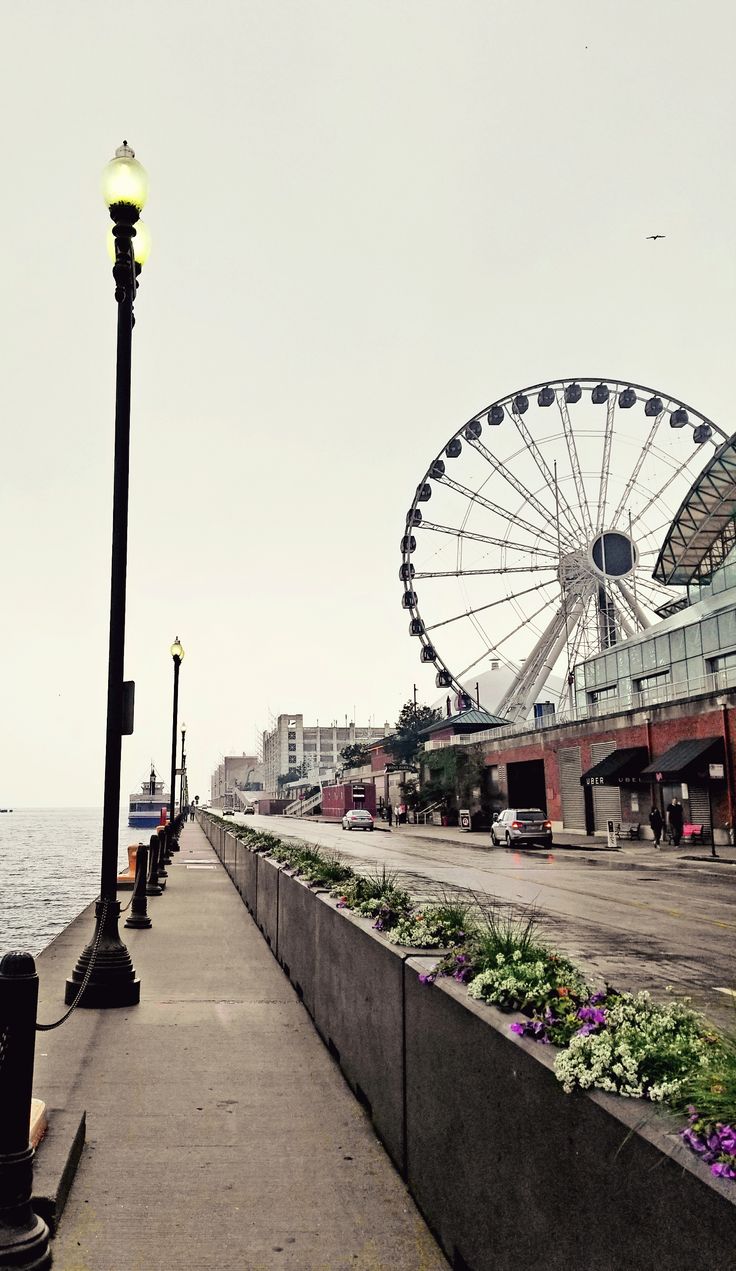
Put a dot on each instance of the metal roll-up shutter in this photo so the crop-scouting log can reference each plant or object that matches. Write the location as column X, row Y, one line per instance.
column 606, row 799
column 699, row 806
column 571, row 791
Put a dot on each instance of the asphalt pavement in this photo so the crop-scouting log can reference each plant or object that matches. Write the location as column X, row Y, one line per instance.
column 636, row 918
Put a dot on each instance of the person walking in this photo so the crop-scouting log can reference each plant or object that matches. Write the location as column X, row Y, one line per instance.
column 675, row 819
column 389, row 814
column 656, row 823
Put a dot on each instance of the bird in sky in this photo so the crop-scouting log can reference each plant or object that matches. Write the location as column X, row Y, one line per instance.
column 654, row 237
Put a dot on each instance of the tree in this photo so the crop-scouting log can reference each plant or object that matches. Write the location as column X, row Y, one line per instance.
column 403, row 745
column 356, row 755
column 294, row 774
column 457, row 775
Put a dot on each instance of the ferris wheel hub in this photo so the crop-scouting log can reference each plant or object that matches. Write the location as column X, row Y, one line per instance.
column 613, row 554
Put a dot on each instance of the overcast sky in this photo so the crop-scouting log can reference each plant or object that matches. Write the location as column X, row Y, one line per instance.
column 370, row 218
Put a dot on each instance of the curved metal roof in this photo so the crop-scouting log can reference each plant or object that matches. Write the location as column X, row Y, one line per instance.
column 704, row 529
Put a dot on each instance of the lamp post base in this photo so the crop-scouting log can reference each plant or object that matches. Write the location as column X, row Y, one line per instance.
column 113, row 980
column 25, row 1246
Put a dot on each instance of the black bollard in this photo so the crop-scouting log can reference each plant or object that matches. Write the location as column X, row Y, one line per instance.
column 162, row 858
column 138, row 916
column 24, row 1237
column 153, row 887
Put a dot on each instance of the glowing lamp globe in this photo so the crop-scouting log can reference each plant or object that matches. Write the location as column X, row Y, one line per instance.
column 124, row 180
column 177, row 650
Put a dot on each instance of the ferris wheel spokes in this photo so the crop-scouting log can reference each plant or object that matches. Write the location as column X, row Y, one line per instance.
column 486, row 538
column 499, row 569
column 606, row 462
column 572, row 452
column 643, row 453
column 503, row 600
column 512, row 480
column 547, row 475
column 653, row 497
column 481, row 501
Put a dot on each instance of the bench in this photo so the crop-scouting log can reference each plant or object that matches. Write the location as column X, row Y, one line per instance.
column 628, row 830
column 691, row 834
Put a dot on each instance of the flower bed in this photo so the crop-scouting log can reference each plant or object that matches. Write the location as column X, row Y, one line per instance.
column 618, row 1042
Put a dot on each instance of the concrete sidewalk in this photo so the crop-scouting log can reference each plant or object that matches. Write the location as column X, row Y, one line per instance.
column 220, row 1133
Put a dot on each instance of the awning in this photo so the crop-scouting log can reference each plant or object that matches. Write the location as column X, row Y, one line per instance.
column 619, row 768
column 700, row 757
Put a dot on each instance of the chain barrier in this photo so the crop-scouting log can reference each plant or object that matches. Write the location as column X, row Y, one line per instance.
column 46, row 1028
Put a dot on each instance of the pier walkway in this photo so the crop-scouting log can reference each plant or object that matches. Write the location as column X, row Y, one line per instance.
column 220, row 1133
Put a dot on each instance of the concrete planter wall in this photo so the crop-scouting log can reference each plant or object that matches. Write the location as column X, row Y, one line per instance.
column 508, row 1170
column 267, row 906
column 297, row 932
column 358, row 1006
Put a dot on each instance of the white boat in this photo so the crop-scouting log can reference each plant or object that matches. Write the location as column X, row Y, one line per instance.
column 146, row 805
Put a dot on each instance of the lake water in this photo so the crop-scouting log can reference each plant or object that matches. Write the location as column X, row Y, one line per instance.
column 50, row 870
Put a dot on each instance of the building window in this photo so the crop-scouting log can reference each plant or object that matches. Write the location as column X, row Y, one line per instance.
column 292, row 736
column 657, row 680
column 721, row 663
column 292, row 747
column 603, row 694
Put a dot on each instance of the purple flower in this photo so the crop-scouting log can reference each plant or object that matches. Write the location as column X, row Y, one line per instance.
column 518, row 1028
column 723, row 1170
column 429, row 978
column 592, row 1015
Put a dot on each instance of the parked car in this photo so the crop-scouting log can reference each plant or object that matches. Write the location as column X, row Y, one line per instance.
column 249, row 810
column 228, row 811
column 357, row 819
column 521, row 825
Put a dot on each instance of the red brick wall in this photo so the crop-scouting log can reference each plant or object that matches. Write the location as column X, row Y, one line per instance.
column 666, row 727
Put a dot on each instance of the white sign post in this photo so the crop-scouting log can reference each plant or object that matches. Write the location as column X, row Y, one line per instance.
column 464, row 819
column 611, row 830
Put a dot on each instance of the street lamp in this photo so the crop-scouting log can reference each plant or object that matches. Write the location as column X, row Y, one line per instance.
column 183, row 768
column 177, row 653
column 105, row 970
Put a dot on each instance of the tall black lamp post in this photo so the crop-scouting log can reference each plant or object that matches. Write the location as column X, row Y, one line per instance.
column 183, row 789
column 112, row 981
column 177, row 653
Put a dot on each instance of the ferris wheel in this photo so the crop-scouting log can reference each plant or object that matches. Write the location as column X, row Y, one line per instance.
column 546, row 513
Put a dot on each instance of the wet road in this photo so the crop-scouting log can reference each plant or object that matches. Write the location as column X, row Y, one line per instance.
column 648, row 924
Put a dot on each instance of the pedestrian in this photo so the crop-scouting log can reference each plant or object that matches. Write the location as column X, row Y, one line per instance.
column 191, row 812
column 389, row 814
column 655, row 821
column 675, row 819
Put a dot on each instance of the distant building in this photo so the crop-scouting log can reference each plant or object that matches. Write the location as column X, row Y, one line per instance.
column 235, row 773
column 292, row 743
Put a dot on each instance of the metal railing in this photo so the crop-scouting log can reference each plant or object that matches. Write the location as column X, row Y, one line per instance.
column 668, row 694
column 301, row 806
